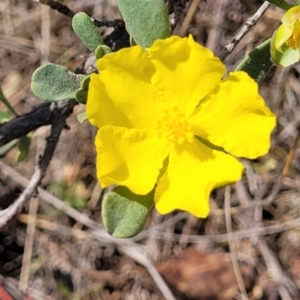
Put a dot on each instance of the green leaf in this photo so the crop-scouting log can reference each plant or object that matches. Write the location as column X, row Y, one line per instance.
column 4, row 117
column 86, row 31
column 81, row 117
column 281, row 3
column 101, row 51
column 6, row 103
column 124, row 213
column 23, row 148
column 146, row 20
column 82, row 92
column 132, row 41
column 54, row 83
column 258, row 63
column 76, row 202
column 287, row 57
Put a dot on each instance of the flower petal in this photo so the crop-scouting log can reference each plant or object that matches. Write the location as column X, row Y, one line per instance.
column 281, row 36
column 125, row 85
column 100, row 109
column 291, row 16
column 236, row 118
column 185, row 71
column 194, row 170
column 129, row 157
column 286, row 57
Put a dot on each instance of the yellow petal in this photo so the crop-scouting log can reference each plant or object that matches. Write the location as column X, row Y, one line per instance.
column 126, row 86
column 286, row 57
column 100, row 109
column 291, row 16
column 185, row 71
column 281, row 36
column 193, row 171
column 129, row 157
column 236, row 118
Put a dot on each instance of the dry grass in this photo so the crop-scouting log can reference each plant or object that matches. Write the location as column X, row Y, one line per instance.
column 253, row 230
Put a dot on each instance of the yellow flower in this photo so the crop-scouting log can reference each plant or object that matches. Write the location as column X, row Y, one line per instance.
column 165, row 116
column 285, row 43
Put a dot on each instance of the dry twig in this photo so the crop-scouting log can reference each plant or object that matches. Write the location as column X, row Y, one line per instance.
column 57, row 127
column 26, row 260
column 130, row 249
column 233, row 254
column 244, row 30
column 192, row 9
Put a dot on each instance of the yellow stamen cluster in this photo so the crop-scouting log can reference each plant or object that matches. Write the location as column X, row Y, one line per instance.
column 174, row 126
column 294, row 39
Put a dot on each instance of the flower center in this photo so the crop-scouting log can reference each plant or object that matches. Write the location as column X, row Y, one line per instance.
column 293, row 41
column 174, row 126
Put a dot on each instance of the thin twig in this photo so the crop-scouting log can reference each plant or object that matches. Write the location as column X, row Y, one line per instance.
column 244, row 30
column 276, row 187
column 215, row 32
column 61, row 8
column 130, row 249
column 49, row 198
column 291, row 154
column 281, row 280
column 275, row 271
column 65, row 10
column 192, row 9
column 233, row 254
column 161, row 226
column 58, row 125
column 152, row 232
column 26, row 260
column 236, row 235
column 7, row 214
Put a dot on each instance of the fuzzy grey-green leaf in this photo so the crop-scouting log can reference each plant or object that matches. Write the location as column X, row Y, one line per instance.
column 82, row 93
column 124, row 213
column 53, row 83
column 86, row 31
column 145, row 20
column 101, row 51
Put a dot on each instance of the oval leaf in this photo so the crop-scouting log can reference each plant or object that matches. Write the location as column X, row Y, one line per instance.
column 101, row 51
column 82, row 92
column 86, row 31
column 81, row 117
column 146, row 20
column 282, row 4
column 53, row 83
column 6, row 102
column 124, row 214
column 4, row 117
column 23, row 148
column 287, row 57
column 258, row 63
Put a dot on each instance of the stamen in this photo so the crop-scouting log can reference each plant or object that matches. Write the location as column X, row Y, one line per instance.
column 174, row 126
column 294, row 39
